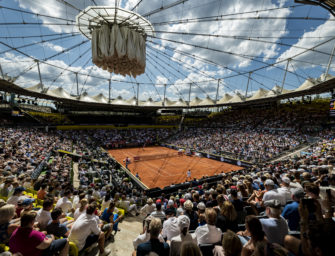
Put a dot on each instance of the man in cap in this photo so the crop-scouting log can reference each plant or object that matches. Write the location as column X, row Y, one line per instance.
column 291, row 211
column 285, row 188
column 273, row 193
column 275, row 226
column 170, row 226
column 184, row 224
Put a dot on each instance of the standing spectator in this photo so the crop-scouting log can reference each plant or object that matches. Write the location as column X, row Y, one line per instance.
column 208, row 233
column 154, row 245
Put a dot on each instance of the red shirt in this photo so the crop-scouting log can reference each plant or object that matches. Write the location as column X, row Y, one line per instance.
column 25, row 241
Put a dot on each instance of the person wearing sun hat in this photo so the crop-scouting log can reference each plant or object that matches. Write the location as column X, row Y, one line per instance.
column 184, row 224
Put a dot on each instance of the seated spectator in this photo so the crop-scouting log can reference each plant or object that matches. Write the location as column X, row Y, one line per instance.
column 227, row 218
column 85, row 231
column 56, row 227
column 274, row 227
column 154, row 245
column 5, row 188
column 17, row 195
column 42, row 192
column 209, row 233
column 253, row 230
column 170, row 226
column 111, row 217
column 266, row 249
column 82, row 209
column 148, row 208
column 291, row 211
column 128, row 205
column 231, row 245
column 184, row 224
column 64, row 203
column 28, row 242
column 191, row 214
column 106, row 201
column 145, row 236
column 273, row 193
column 158, row 213
column 27, row 205
column 43, row 216
column 7, row 212
column 189, row 248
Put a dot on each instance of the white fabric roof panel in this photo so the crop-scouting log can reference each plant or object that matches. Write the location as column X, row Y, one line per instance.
column 119, row 101
column 60, row 93
column 180, row 103
column 225, row 99
column 207, row 101
column 195, row 101
column 261, row 93
column 100, row 98
column 85, row 97
column 236, row 98
column 309, row 83
column 36, row 88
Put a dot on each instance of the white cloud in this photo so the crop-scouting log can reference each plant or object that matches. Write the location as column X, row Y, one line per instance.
column 53, row 47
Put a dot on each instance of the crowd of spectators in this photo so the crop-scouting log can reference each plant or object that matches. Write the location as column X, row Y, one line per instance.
column 247, row 144
column 283, row 208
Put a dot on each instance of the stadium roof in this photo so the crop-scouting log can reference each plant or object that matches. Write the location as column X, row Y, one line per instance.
column 204, row 51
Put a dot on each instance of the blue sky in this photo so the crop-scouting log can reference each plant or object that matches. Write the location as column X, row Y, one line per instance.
column 169, row 62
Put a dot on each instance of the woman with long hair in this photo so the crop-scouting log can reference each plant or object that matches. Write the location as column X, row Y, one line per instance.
column 227, row 218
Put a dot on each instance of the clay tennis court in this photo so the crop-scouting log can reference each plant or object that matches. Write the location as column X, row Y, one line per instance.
column 170, row 170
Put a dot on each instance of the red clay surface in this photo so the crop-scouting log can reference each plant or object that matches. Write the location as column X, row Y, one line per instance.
column 170, row 170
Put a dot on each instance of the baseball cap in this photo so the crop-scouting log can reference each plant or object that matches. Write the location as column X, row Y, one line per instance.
column 273, row 203
column 19, row 189
column 170, row 202
column 269, row 182
column 27, row 201
column 184, row 221
column 286, row 180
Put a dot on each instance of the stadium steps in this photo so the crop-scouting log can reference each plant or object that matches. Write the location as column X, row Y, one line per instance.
column 130, row 227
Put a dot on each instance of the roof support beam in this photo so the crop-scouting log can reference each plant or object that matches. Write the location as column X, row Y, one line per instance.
column 39, row 73
column 77, row 84
column 284, row 78
column 189, row 94
column 217, row 91
column 329, row 63
column 138, row 93
column 1, row 72
column 164, row 95
column 109, row 90
column 246, row 91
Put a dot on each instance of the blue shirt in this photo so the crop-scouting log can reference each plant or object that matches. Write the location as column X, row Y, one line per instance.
column 106, row 215
column 291, row 213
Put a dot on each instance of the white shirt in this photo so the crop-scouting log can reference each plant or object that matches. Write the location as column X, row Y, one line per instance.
column 275, row 194
column 208, row 234
column 43, row 218
column 171, row 228
column 145, row 238
column 82, row 228
column 65, row 204
column 77, row 213
column 286, row 193
column 148, row 209
column 158, row 214
column 75, row 203
column 178, row 240
column 15, row 199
